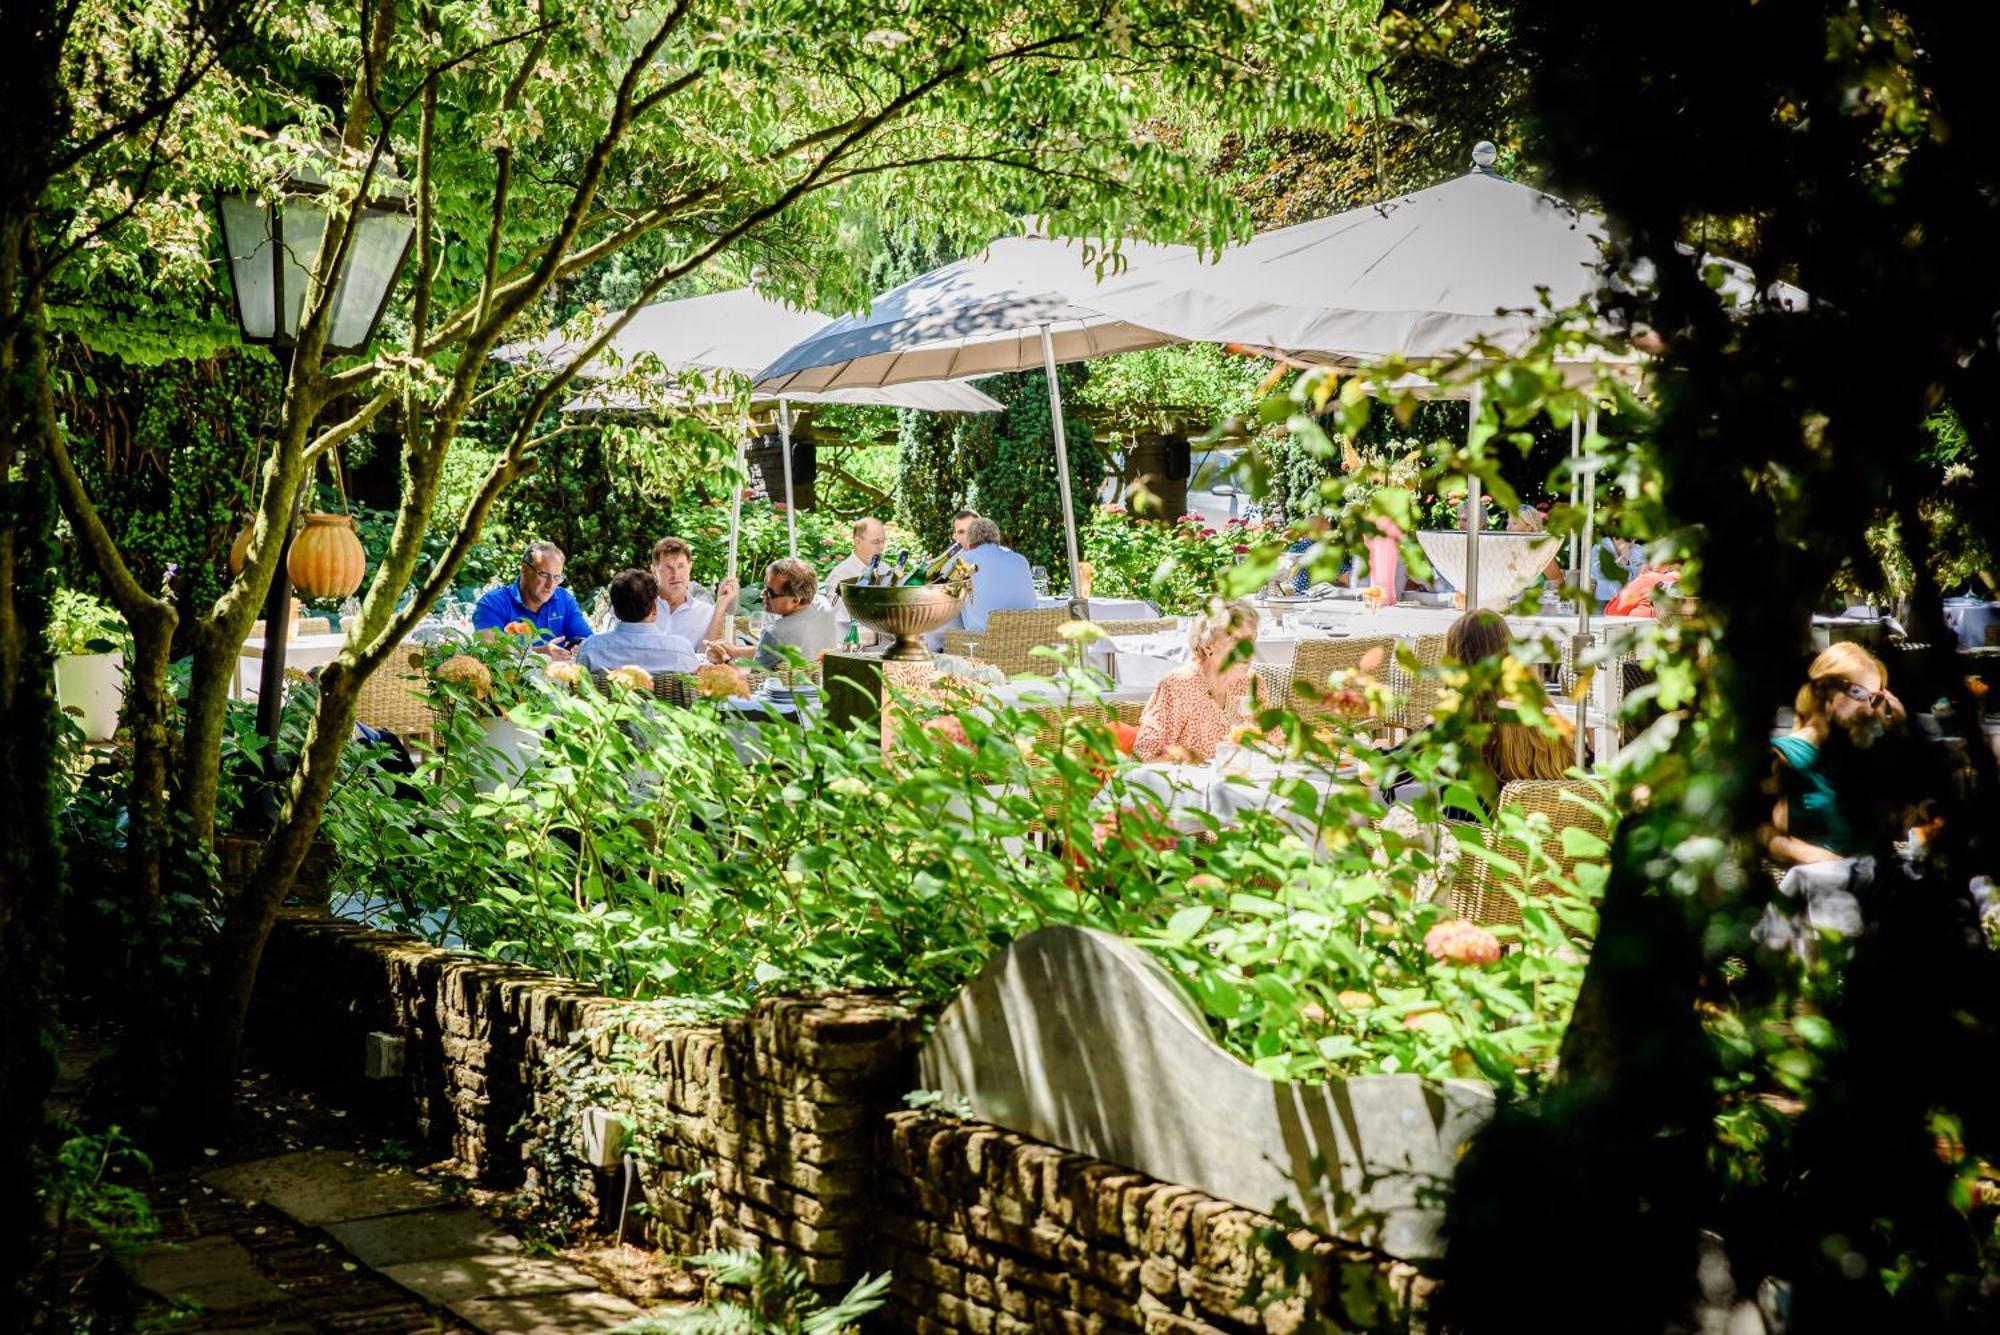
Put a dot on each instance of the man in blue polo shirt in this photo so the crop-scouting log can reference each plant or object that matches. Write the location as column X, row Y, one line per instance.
column 538, row 598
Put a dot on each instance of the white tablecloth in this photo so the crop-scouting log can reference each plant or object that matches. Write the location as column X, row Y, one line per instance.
column 301, row 653
column 1240, row 781
column 1107, row 609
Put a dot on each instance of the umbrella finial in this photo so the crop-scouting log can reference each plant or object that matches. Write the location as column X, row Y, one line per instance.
column 1484, row 155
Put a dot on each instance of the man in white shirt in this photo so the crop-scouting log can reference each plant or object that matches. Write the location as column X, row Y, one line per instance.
column 681, row 612
column 870, row 537
column 637, row 639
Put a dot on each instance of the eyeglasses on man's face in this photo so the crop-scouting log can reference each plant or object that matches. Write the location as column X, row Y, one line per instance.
column 770, row 593
column 552, row 578
column 1861, row 694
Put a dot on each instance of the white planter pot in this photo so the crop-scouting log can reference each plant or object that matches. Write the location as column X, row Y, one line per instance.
column 515, row 748
column 94, row 686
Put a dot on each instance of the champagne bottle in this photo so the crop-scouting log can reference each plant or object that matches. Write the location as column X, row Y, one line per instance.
column 935, row 572
column 894, row 574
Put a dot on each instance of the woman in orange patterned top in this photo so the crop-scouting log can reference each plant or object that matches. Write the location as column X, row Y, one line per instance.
column 1197, row 706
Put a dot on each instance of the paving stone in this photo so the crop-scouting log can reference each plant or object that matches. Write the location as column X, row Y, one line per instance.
column 496, row 1275
column 546, row 1313
column 216, row 1274
column 421, row 1235
column 320, row 1187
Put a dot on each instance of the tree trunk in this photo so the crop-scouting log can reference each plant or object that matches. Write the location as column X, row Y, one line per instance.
column 247, row 924
column 149, row 716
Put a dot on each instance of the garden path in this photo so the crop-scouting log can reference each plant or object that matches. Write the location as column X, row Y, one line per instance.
column 311, row 1224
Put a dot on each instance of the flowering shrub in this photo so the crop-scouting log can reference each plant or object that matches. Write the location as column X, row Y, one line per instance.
column 1178, row 566
column 488, row 673
column 1462, row 942
column 721, row 681
column 631, row 678
column 652, row 852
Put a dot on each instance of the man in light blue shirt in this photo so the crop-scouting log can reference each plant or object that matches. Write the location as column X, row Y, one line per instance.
column 539, row 599
column 1000, row 580
column 638, row 639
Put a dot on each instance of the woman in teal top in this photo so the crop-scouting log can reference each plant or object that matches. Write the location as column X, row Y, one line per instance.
column 1815, row 819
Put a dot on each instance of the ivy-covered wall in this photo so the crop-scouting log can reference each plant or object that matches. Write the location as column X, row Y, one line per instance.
column 1000, row 464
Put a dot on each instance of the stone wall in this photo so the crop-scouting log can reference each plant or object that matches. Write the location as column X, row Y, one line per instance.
column 991, row 1232
column 762, row 1130
column 785, row 1131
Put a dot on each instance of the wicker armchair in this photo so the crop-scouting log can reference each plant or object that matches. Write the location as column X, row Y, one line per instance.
column 397, row 697
column 1418, row 690
column 1138, row 626
column 1482, row 891
column 1010, row 638
column 1317, row 660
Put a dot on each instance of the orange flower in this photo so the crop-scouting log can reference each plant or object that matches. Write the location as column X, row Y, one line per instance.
column 522, row 627
column 721, row 681
column 947, row 729
column 1462, row 942
column 467, row 671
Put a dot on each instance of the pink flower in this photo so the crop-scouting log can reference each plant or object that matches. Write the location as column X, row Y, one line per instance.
column 1209, row 533
column 1237, row 523
column 779, row 506
column 947, row 728
column 1241, row 549
column 1462, row 942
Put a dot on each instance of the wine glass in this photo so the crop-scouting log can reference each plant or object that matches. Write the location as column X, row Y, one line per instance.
column 1039, row 577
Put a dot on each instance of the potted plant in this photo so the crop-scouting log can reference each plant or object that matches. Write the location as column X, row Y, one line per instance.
column 486, row 677
column 87, row 637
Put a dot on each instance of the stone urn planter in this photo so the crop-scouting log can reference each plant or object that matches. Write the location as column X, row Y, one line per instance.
column 514, row 749
column 92, row 687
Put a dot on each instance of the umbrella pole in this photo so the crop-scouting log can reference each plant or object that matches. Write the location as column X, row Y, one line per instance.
column 1474, row 506
column 1579, row 564
column 1076, row 597
column 736, row 504
column 791, row 507
column 1586, row 483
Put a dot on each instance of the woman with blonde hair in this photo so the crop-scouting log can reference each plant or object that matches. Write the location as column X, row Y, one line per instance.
column 1197, row 706
column 1843, row 709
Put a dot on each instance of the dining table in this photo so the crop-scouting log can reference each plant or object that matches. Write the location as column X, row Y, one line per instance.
column 1238, row 781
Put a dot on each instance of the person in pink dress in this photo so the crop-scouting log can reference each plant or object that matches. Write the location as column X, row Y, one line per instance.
column 1196, row 707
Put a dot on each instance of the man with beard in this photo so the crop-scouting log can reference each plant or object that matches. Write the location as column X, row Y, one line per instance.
column 1825, row 810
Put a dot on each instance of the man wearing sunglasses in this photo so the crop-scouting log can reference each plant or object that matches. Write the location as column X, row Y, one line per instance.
column 1822, row 777
column 789, row 585
column 538, row 598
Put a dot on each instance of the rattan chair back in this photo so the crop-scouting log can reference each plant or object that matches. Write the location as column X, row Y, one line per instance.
column 1485, row 893
column 397, row 696
column 1010, row 638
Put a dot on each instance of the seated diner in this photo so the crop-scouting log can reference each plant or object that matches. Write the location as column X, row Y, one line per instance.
column 1821, row 771
column 796, row 624
column 538, row 598
column 682, row 611
column 1195, row 707
column 638, row 639
column 1510, row 748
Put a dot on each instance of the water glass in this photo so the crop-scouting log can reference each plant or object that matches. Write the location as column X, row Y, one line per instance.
column 1039, row 576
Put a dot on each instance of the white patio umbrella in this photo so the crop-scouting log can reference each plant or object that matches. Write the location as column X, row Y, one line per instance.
column 1026, row 302
column 1426, row 277
column 733, row 332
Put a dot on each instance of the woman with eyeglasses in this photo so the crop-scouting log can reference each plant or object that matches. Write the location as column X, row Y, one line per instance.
column 1820, row 771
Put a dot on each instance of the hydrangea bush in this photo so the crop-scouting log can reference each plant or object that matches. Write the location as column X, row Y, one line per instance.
column 657, row 852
